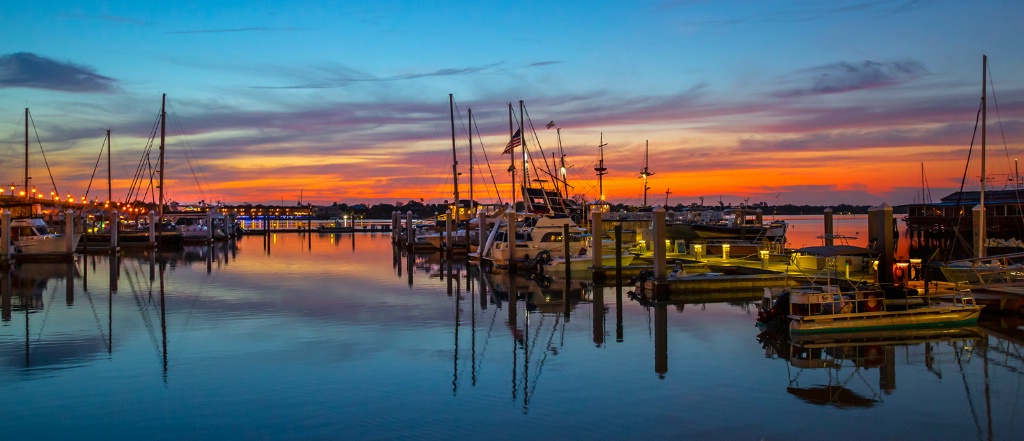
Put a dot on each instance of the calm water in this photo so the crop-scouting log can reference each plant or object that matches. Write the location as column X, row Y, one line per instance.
column 340, row 337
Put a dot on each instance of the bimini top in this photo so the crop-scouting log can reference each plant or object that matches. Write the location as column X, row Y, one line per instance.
column 836, row 250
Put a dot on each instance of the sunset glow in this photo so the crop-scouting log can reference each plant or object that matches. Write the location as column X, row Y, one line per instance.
column 780, row 102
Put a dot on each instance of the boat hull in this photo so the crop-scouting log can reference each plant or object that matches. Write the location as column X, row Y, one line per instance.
column 952, row 316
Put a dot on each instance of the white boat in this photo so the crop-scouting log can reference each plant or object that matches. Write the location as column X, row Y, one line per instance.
column 810, row 311
column 31, row 237
column 336, row 225
column 538, row 233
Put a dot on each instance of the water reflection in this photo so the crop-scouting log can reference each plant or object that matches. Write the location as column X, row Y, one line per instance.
column 368, row 350
column 860, row 370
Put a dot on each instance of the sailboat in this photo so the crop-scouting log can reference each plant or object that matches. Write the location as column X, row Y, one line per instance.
column 995, row 228
column 537, row 198
column 950, row 221
column 31, row 237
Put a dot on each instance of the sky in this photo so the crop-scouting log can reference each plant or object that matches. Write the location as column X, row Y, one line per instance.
column 780, row 102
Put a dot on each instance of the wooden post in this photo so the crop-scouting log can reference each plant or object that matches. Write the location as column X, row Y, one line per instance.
column 828, row 228
column 209, row 225
column 597, row 231
column 660, row 260
column 511, row 239
column 115, row 226
column 448, row 242
column 69, row 231
column 152, row 228
column 618, row 254
column 410, row 232
column 568, row 252
column 5, row 234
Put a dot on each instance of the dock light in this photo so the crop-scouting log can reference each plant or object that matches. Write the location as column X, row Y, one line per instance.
column 698, row 250
column 764, row 258
column 725, row 251
column 21, row 193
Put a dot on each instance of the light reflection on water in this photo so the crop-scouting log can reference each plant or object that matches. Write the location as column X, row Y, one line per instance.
column 329, row 337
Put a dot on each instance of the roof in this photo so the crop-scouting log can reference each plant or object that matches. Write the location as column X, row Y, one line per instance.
column 836, row 250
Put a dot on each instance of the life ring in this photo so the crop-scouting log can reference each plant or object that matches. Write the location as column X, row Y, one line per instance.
column 872, row 302
column 913, row 273
column 897, row 272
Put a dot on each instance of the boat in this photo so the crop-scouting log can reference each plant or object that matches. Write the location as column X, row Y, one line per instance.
column 825, row 309
column 31, row 238
column 950, row 222
column 198, row 226
column 703, row 224
column 335, row 225
column 538, row 233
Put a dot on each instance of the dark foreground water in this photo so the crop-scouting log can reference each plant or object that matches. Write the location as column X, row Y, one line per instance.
column 341, row 337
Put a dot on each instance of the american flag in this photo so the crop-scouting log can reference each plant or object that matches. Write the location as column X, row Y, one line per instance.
column 516, row 141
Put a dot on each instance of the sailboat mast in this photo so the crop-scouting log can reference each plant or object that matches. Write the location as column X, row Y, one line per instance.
column 646, row 172
column 163, row 135
column 28, row 194
column 109, row 191
column 980, row 246
column 512, row 156
column 472, row 204
column 561, row 169
column 600, row 169
column 522, row 135
column 455, row 159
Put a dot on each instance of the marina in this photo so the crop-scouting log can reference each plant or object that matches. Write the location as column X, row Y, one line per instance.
column 305, row 336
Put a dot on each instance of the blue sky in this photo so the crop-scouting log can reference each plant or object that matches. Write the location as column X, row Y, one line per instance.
column 801, row 102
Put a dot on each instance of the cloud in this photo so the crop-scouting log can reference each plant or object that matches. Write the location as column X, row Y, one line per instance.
column 25, row 69
column 342, row 76
column 845, row 76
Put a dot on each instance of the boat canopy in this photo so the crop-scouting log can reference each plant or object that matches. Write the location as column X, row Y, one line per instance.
column 836, row 250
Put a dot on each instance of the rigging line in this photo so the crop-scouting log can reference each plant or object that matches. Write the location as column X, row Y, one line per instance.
column 483, row 351
column 487, row 162
column 967, row 389
column 141, row 167
column 963, row 181
column 543, row 358
column 188, row 149
column 95, row 168
column 96, row 317
column 45, row 161
column 46, row 313
column 143, row 309
column 540, row 148
column 1002, row 134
